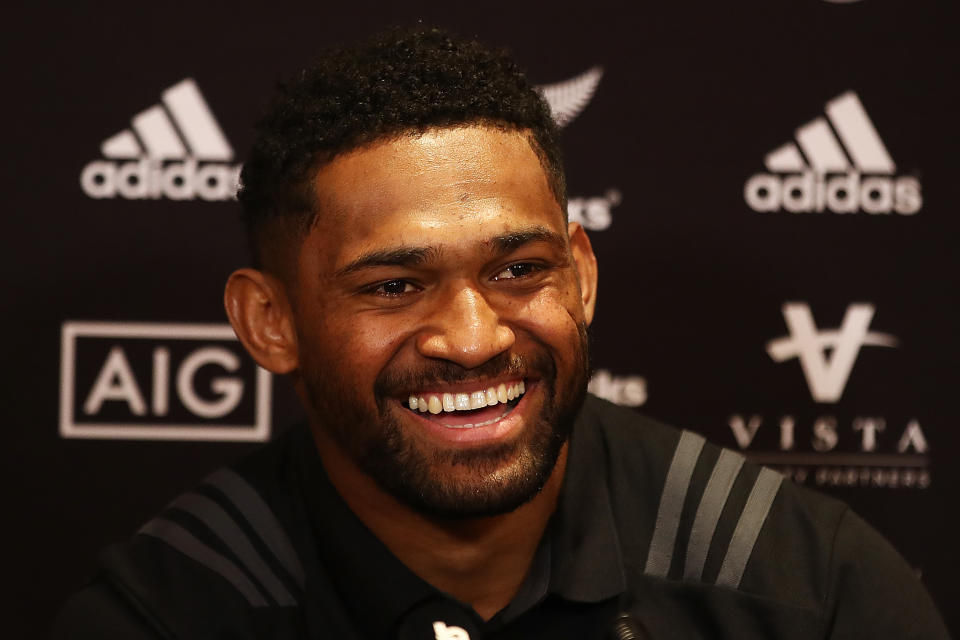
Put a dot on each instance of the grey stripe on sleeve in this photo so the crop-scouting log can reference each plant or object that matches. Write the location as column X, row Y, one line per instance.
column 261, row 518
column 748, row 527
column 221, row 524
column 708, row 512
column 184, row 542
column 671, row 503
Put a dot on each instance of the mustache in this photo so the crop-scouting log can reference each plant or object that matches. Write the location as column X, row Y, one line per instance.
column 436, row 373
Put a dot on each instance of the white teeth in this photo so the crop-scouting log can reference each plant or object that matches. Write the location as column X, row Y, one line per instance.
column 478, row 400
column 449, row 402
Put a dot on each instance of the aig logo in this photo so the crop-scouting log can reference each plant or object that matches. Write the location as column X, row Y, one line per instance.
column 154, row 381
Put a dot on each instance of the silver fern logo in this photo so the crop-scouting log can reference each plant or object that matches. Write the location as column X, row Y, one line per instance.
column 569, row 97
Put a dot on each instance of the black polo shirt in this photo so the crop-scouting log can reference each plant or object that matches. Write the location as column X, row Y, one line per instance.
column 577, row 566
column 691, row 541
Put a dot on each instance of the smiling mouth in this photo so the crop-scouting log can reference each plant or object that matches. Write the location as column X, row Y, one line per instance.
column 470, row 409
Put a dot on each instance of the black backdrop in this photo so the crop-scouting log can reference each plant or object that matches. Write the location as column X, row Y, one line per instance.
column 121, row 389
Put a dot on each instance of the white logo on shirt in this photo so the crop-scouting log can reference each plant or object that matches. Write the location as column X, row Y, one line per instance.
column 443, row 632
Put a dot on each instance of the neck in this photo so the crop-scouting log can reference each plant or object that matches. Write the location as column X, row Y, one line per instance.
column 480, row 561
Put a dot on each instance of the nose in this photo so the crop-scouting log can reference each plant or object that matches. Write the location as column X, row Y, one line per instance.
column 464, row 328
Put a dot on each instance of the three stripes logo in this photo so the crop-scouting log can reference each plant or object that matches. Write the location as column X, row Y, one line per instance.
column 841, row 165
column 225, row 526
column 174, row 149
column 733, row 492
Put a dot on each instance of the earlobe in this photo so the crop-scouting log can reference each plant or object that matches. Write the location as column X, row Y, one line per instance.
column 261, row 316
column 586, row 263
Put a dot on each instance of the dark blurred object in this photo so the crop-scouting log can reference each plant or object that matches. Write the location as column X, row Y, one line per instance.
column 626, row 627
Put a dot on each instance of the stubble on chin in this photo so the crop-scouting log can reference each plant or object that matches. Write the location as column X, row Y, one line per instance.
column 465, row 483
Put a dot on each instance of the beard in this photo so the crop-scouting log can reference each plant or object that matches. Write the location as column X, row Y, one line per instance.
column 475, row 482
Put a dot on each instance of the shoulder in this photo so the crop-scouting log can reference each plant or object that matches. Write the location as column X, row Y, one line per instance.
column 229, row 549
column 99, row 611
column 706, row 511
column 700, row 519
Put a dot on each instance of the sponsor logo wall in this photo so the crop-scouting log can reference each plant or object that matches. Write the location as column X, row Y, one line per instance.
column 774, row 223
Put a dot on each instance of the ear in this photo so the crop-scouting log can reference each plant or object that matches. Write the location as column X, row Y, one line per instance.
column 262, row 318
column 586, row 263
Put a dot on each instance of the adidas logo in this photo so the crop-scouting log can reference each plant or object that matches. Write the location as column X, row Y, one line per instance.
column 845, row 175
column 174, row 149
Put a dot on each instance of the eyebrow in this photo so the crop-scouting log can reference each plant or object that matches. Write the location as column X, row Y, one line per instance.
column 413, row 256
column 512, row 241
column 399, row 257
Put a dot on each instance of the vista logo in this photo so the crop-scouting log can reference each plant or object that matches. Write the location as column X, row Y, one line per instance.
column 841, row 165
column 173, row 150
column 826, row 357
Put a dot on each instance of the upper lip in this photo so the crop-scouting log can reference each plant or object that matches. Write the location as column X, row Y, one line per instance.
column 468, row 386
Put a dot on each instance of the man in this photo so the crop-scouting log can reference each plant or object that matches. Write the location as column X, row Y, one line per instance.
column 416, row 278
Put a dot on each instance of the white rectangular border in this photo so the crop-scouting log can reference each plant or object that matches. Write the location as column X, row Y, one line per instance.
column 71, row 329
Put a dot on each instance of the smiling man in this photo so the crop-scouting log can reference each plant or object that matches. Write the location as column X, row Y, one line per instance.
column 415, row 277
column 434, row 321
column 437, row 333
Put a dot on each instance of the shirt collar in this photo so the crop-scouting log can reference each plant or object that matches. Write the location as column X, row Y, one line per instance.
column 375, row 587
column 586, row 560
column 579, row 558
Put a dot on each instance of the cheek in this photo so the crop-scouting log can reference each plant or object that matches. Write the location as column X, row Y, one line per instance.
column 552, row 318
column 364, row 343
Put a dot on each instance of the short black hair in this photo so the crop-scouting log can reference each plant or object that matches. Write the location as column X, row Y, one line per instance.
column 400, row 81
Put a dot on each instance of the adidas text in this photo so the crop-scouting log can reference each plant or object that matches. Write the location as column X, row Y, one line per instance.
column 837, row 163
column 151, row 179
column 809, row 192
column 174, row 149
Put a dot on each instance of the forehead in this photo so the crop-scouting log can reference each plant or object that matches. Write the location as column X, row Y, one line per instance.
column 446, row 188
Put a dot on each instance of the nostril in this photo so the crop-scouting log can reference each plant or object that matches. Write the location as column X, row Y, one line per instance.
column 465, row 345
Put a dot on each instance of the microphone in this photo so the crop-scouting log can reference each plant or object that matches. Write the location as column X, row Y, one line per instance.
column 626, row 627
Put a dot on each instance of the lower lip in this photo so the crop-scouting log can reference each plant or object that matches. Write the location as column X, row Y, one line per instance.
column 502, row 429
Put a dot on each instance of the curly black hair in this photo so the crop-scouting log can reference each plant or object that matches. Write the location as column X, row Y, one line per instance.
column 401, row 81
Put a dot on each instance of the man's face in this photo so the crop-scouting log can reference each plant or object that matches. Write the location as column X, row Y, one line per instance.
column 440, row 275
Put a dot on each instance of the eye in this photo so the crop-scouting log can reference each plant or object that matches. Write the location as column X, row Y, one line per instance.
column 518, row 270
column 392, row 288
